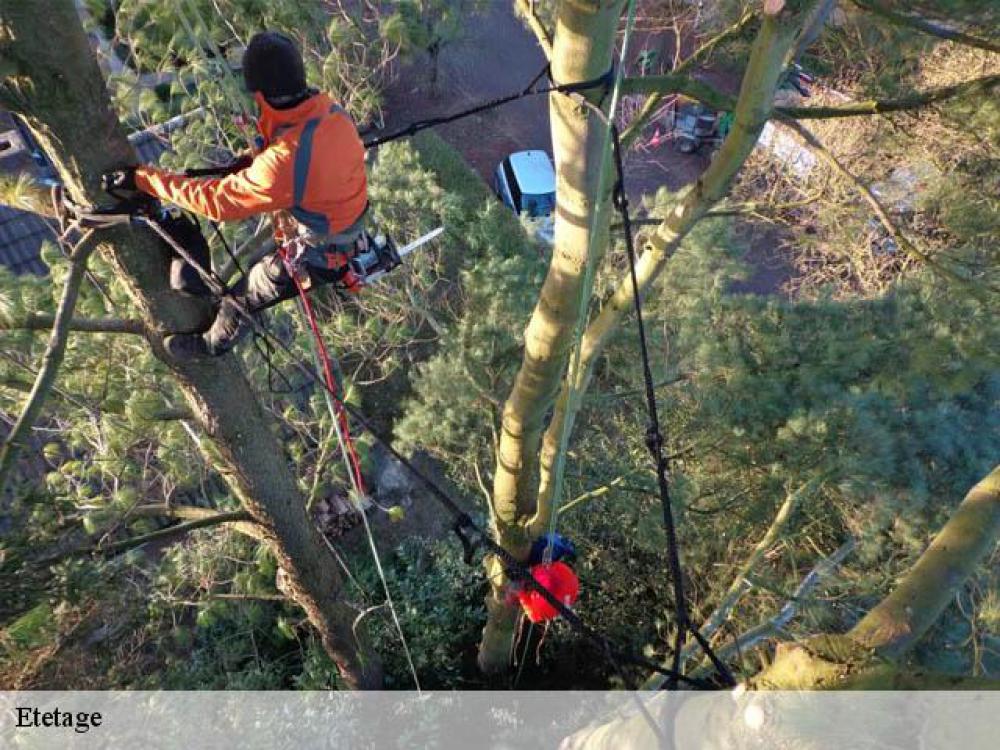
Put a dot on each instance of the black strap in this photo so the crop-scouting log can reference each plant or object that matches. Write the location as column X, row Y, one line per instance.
column 655, row 442
column 603, row 82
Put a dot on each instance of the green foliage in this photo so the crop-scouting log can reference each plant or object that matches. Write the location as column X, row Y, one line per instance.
column 891, row 399
column 459, row 390
column 439, row 600
column 31, row 629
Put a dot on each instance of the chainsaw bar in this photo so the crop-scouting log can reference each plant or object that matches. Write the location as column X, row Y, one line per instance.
column 402, row 253
column 433, row 234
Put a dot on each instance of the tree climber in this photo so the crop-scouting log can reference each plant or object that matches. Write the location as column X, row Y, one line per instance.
column 309, row 172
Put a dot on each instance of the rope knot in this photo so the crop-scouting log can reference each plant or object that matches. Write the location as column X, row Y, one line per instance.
column 654, row 440
column 619, row 198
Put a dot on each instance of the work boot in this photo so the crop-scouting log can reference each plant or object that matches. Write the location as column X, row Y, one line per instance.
column 185, row 346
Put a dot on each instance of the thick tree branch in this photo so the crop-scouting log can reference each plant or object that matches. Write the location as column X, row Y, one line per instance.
column 902, row 618
column 44, row 322
column 897, row 235
column 977, row 86
column 899, row 621
column 51, row 359
column 196, row 513
column 925, row 26
column 583, row 48
column 526, row 9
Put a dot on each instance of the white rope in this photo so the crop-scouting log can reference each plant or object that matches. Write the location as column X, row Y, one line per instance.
column 358, row 496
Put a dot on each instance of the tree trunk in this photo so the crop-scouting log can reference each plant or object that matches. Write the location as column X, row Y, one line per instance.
column 52, row 78
column 582, row 49
column 753, row 108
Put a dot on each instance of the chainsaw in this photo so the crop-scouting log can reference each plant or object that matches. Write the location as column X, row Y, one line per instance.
column 378, row 255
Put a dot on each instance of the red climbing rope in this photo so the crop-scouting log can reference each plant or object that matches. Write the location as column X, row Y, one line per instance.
column 331, row 381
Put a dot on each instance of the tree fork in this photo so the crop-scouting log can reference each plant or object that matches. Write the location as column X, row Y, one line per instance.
column 52, row 78
column 752, row 110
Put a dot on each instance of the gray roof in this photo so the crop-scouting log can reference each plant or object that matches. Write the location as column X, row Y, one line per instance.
column 21, row 237
column 22, row 232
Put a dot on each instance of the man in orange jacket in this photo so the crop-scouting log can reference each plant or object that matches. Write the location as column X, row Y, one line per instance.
column 309, row 173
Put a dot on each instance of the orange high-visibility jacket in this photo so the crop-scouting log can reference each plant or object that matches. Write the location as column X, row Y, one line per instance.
column 312, row 165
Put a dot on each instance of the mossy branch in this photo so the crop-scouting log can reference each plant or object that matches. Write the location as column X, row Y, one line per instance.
column 982, row 86
column 904, row 616
column 45, row 321
column 686, row 86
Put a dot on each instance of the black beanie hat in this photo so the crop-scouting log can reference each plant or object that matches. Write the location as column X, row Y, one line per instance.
column 272, row 65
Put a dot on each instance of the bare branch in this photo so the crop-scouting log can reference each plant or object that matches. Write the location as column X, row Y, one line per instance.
column 51, row 360
column 740, row 584
column 706, row 49
column 685, row 85
column 45, row 321
column 775, row 626
column 160, row 535
column 760, row 207
column 925, row 26
column 883, row 216
column 653, row 100
column 812, row 29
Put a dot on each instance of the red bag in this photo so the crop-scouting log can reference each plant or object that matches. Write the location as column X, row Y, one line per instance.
column 558, row 578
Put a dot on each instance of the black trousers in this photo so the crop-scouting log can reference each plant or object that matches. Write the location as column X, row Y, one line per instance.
column 265, row 285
